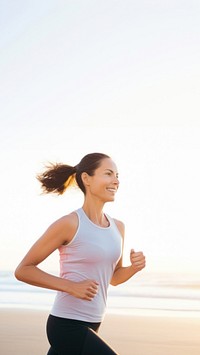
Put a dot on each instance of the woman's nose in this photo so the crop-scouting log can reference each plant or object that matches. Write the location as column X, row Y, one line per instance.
column 116, row 180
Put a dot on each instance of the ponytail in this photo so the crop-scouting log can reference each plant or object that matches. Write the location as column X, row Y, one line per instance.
column 57, row 178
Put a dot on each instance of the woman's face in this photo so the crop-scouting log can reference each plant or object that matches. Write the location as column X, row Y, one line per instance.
column 104, row 183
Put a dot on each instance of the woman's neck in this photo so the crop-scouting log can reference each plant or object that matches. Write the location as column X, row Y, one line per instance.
column 95, row 214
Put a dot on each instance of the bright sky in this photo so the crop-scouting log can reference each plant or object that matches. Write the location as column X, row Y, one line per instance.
column 119, row 77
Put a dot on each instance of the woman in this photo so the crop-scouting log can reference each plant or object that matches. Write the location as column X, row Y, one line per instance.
column 90, row 246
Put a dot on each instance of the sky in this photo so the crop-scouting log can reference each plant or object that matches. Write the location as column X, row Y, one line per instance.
column 118, row 77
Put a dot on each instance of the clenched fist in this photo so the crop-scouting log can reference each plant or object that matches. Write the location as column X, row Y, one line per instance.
column 137, row 260
column 85, row 290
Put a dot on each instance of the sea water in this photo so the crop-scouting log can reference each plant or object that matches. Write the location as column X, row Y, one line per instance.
column 144, row 294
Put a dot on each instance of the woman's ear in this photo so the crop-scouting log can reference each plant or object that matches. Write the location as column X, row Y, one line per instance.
column 85, row 178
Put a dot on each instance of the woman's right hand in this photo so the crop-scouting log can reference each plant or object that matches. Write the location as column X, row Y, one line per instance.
column 85, row 290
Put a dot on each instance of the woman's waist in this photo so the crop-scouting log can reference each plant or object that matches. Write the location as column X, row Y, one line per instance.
column 68, row 306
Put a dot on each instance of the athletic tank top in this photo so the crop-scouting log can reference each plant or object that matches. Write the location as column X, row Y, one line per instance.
column 92, row 254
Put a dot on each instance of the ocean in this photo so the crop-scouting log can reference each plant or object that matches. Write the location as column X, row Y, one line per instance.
column 145, row 294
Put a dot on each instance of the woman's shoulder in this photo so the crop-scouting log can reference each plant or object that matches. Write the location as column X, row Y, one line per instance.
column 120, row 225
column 68, row 220
column 65, row 226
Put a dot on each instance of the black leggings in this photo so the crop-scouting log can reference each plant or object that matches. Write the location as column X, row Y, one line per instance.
column 74, row 337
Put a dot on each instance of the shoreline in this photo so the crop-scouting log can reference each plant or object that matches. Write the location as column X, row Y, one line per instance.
column 132, row 312
column 22, row 329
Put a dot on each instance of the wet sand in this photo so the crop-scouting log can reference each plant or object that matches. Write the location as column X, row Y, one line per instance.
column 22, row 332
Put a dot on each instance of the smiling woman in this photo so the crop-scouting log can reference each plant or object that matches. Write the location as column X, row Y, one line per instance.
column 90, row 246
column 104, row 183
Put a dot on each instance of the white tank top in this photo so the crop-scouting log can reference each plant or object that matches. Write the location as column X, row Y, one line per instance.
column 92, row 254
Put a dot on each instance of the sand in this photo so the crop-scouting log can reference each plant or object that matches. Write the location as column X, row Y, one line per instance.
column 22, row 332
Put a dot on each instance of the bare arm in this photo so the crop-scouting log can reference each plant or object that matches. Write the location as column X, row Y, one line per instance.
column 59, row 233
column 124, row 273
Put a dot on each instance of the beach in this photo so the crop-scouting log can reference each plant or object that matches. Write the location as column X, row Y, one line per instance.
column 22, row 332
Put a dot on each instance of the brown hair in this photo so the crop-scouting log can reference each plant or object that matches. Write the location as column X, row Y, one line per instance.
column 58, row 177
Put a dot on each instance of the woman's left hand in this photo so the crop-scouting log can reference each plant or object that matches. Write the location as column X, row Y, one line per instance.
column 137, row 260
